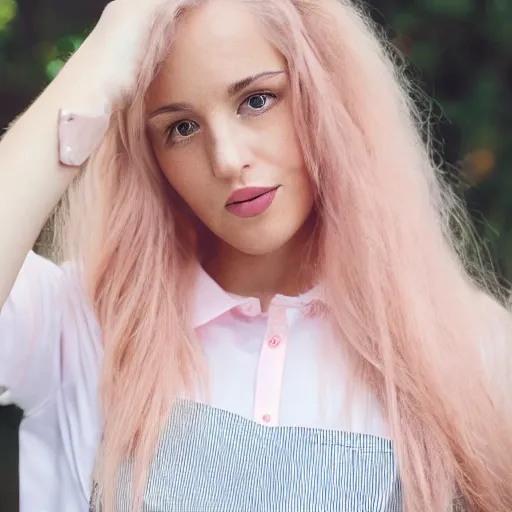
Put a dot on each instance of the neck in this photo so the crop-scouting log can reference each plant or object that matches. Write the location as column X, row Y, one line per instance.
column 286, row 271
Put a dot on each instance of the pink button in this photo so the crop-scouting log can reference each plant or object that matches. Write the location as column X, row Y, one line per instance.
column 275, row 341
column 267, row 418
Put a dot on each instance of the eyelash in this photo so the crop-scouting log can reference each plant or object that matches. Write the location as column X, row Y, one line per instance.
column 270, row 95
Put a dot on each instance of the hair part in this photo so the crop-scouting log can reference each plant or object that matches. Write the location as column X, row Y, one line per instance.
column 418, row 327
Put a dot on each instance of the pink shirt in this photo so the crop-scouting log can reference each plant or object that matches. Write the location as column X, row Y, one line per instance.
column 267, row 367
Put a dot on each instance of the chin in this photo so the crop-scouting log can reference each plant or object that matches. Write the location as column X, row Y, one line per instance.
column 261, row 244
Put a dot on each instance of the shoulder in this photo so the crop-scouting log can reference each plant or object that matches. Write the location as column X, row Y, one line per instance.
column 48, row 288
column 37, row 274
column 52, row 299
column 48, row 332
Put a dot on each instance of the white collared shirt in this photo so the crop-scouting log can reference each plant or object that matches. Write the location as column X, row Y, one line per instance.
column 267, row 367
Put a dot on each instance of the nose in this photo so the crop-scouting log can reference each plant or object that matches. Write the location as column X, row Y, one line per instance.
column 230, row 153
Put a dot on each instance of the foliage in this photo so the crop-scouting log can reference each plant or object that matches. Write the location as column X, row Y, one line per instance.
column 462, row 50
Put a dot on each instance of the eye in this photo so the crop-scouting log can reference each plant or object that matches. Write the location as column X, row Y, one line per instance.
column 258, row 103
column 181, row 130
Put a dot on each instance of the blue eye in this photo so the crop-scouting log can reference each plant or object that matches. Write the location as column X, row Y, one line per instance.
column 185, row 128
column 181, row 130
column 258, row 103
column 254, row 105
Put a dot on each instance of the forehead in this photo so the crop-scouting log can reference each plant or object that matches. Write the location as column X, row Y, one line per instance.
column 215, row 45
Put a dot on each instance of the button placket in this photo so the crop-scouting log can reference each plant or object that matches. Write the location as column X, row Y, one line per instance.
column 270, row 368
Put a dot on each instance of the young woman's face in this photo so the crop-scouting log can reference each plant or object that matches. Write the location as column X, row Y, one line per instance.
column 222, row 129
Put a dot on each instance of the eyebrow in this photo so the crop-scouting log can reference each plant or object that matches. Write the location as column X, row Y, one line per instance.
column 233, row 90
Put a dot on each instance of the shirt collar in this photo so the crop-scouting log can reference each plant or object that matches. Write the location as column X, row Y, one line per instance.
column 211, row 301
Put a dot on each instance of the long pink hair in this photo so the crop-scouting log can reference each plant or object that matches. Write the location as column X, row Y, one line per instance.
column 419, row 324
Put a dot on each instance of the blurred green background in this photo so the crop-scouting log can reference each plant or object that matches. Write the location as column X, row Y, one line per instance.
column 461, row 51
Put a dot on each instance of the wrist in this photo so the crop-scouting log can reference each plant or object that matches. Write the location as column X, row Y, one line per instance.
column 81, row 97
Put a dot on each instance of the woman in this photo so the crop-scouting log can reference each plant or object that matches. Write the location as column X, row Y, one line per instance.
column 265, row 308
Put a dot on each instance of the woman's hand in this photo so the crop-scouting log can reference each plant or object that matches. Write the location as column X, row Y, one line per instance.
column 108, row 61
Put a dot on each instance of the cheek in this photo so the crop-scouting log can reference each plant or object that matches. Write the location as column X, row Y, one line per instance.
column 186, row 175
column 289, row 157
column 282, row 138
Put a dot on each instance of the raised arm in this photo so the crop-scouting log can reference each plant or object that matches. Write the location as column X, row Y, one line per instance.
column 32, row 180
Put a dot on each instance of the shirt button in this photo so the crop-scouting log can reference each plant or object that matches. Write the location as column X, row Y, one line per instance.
column 267, row 418
column 275, row 341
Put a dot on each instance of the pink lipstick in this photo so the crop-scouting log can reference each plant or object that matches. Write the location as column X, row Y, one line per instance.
column 251, row 201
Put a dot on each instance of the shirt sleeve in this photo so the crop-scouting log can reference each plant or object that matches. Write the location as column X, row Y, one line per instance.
column 30, row 328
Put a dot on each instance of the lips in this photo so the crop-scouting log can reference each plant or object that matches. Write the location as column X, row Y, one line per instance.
column 251, row 201
column 248, row 194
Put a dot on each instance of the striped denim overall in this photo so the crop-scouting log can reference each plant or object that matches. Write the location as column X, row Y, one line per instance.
column 209, row 460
